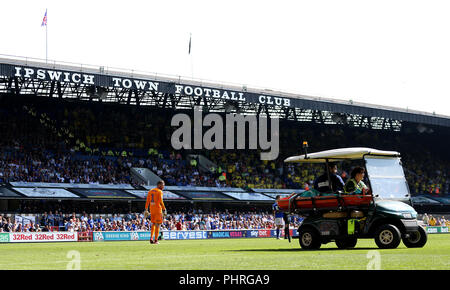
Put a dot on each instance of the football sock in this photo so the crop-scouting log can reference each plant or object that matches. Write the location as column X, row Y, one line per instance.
column 152, row 232
column 278, row 232
column 156, row 233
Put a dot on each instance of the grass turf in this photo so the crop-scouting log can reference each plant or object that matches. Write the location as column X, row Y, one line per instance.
column 224, row 254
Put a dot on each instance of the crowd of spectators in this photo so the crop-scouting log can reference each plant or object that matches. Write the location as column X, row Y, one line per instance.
column 178, row 220
column 431, row 220
column 46, row 166
column 47, row 141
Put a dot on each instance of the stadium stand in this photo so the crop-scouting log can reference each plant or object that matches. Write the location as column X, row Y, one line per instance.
column 48, row 141
column 54, row 149
column 184, row 219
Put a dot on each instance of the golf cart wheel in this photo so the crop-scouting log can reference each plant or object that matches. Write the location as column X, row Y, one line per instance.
column 309, row 239
column 387, row 237
column 346, row 243
column 417, row 239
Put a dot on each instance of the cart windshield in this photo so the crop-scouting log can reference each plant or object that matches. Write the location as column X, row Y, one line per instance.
column 387, row 177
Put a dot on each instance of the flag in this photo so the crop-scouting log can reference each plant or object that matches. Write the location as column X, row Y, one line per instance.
column 190, row 43
column 44, row 21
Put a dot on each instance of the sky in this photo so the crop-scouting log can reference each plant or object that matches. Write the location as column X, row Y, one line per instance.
column 393, row 53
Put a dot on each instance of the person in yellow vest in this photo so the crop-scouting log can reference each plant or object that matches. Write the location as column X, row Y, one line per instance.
column 431, row 221
column 355, row 185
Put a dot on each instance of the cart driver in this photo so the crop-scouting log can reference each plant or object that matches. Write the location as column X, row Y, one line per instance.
column 322, row 183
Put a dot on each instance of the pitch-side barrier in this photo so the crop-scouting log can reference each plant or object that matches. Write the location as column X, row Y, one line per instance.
column 45, row 237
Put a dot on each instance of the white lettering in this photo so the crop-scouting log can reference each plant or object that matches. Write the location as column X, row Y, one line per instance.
column 153, row 86
column 88, row 79
column 207, row 91
column 216, row 94
column 28, row 72
column 270, row 101
column 76, row 78
column 140, row 85
column 126, row 83
column 188, row 90
column 54, row 76
column 198, row 91
column 67, row 77
column 116, row 82
column 18, row 71
column 178, row 89
column 41, row 74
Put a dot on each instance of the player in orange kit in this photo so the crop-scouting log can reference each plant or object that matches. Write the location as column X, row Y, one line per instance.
column 157, row 208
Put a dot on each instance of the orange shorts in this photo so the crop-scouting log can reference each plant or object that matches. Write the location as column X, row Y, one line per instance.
column 156, row 217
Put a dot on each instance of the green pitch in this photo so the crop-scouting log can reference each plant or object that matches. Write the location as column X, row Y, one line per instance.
column 223, row 254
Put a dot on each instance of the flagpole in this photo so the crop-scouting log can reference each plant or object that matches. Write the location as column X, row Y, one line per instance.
column 192, row 64
column 46, row 44
column 192, row 68
column 44, row 22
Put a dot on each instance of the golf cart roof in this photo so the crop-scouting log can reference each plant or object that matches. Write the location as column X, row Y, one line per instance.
column 340, row 154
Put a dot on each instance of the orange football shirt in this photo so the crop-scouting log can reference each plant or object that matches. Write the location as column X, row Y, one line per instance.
column 155, row 200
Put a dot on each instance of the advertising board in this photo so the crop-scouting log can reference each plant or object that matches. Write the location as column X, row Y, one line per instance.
column 103, row 193
column 45, row 192
column 36, row 237
column 167, row 195
column 253, row 196
column 4, row 237
column 184, row 235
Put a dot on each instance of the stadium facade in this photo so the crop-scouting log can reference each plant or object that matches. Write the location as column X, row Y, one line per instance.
column 85, row 82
